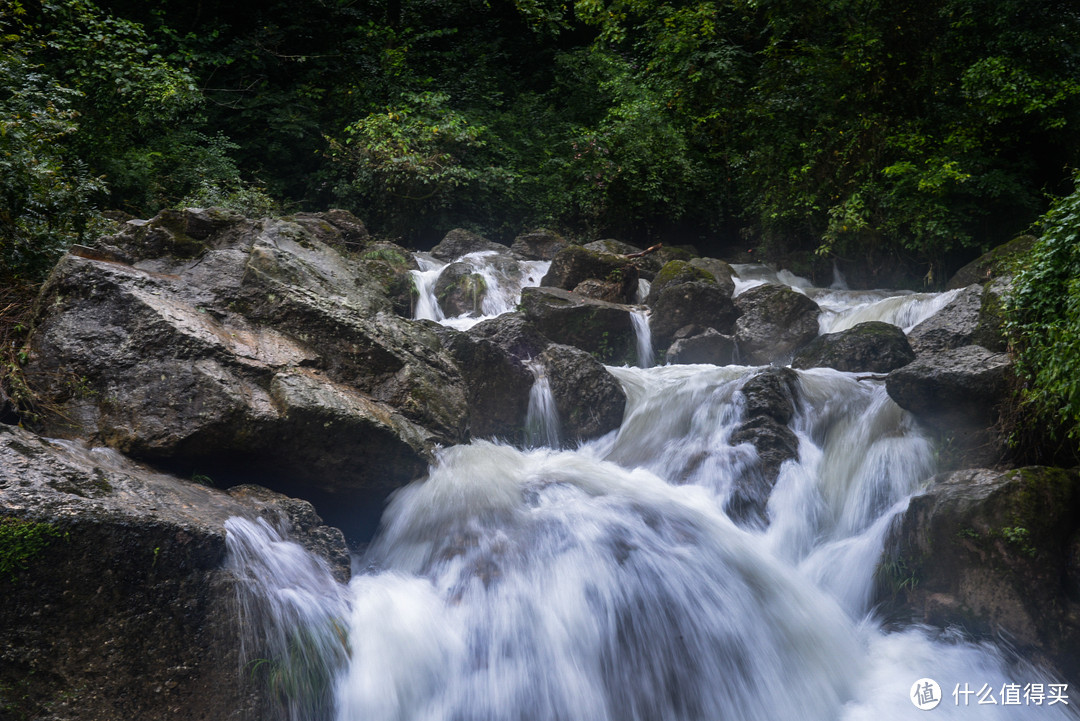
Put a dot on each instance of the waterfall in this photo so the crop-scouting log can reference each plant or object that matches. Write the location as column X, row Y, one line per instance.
column 503, row 278
column 542, row 418
column 293, row 617
column 427, row 305
column 607, row 583
column 640, row 318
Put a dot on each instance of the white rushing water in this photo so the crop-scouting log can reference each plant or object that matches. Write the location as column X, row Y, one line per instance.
column 502, row 276
column 541, row 418
column 607, row 583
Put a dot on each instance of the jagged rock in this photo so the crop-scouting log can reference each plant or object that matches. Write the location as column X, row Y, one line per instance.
column 589, row 401
column 460, row 291
column 990, row 330
column 952, row 326
column 775, row 321
column 459, row 242
column 993, row 264
column 603, row 329
column 540, row 244
column 497, row 382
column 122, row 608
column 993, row 553
column 871, row 347
column 709, row 346
column 611, row 245
column 242, row 358
column 392, row 266
column 958, row 388
column 769, row 404
column 574, row 264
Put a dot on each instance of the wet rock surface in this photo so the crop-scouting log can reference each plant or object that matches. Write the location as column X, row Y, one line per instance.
column 598, row 327
column 710, row 346
column 589, row 400
column 872, row 347
column 121, row 607
column 775, row 321
column 993, row 553
column 575, row 264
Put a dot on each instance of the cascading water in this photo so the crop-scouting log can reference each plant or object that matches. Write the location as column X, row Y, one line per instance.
column 541, row 418
column 643, row 334
column 608, row 584
column 502, row 278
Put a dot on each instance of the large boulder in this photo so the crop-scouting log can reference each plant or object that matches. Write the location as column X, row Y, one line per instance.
column 996, row 553
column 116, row 600
column 957, row 388
column 871, row 347
column 769, row 399
column 574, row 264
column 775, row 321
column 589, row 401
column 257, row 351
column 952, row 326
column 686, row 300
column 459, row 242
column 540, row 244
column 595, row 326
column 718, row 269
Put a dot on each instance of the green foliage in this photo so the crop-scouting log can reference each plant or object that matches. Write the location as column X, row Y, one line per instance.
column 22, row 541
column 1043, row 317
column 46, row 191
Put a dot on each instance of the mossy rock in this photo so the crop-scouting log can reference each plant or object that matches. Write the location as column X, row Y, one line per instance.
column 675, row 272
column 994, row 263
column 574, row 264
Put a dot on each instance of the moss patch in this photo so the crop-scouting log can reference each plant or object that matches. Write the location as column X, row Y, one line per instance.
column 22, row 541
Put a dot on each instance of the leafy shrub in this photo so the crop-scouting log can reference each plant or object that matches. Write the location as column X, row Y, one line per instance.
column 1043, row 317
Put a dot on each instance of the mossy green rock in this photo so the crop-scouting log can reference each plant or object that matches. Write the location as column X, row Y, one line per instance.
column 993, row 553
column 675, row 273
column 460, row 291
column 993, row 264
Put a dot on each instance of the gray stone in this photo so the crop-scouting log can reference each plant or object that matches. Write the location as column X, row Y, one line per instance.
column 709, row 346
column 574, row 264
column 459, row 242
column 775, row 321
column 702, row 304
column 460, row 291
column 123, row 609
column 589, row 401
column 540, row 244
column 603, row 329
column 871, row 347
column 991, row 552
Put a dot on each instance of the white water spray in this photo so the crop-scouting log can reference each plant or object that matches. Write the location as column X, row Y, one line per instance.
column 542, row 417
column 640, row 319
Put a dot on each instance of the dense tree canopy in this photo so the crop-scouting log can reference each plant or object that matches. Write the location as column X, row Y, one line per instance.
column 859, row 129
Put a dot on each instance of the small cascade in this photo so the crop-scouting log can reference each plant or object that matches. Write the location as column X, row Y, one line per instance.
column 427, row 305
column 542, row 418
column 643, row 288
column 293, row 618
column 839, row 282
column 502, row 278
column 640, row 318
column 845, row 309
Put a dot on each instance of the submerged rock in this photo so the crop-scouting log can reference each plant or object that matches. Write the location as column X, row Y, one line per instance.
column 775, row 322
column 993, row 552
column 769, row 399
column 115, row 598
column 871, row 347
